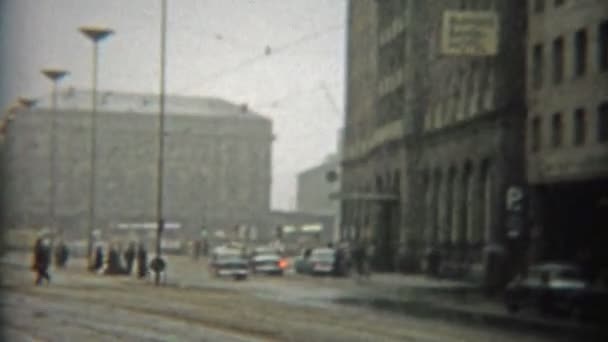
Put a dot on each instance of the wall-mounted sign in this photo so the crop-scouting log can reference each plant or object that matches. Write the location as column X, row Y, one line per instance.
column 515, row 216
column 469, row 33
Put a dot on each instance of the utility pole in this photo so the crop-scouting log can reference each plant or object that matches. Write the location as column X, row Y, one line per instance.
column 161, row 136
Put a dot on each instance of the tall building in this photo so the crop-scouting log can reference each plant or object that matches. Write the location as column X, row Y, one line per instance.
column 217, row 163
column 315, row 187
column 433, row 138
column 567, row 129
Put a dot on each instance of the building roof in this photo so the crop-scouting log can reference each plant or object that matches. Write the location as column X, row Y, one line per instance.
column 138, row 103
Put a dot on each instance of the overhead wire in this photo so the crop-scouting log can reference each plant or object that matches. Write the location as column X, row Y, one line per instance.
column 269, row 51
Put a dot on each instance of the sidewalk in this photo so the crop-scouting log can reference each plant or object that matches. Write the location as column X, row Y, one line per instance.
column 419, row 295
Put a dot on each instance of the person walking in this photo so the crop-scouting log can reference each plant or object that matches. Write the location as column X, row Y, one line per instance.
column 358, row 255
column 196, row 249
column 142, row 261
column 97, row 259
column 130, row 257
column 42, row 260
column 114, row 266
column 370, row 251
column 61, row 254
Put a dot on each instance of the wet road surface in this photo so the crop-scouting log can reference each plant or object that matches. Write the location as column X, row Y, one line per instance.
column 84, row 307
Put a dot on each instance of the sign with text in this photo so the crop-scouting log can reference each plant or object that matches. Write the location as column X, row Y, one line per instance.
column 469, row 33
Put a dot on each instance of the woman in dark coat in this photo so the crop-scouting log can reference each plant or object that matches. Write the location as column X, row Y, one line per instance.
column 42, row 260
column 142, row 261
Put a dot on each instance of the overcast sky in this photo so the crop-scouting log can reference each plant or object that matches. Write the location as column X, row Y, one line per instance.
column 214, row 48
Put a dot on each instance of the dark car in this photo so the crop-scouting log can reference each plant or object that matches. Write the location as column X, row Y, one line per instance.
column 550, row 287
column 272, row 264
column 591, row 304
column 319, row 261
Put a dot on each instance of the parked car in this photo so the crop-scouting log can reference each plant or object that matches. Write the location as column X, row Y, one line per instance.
column 550, row 287
column 227, row 262
column 318, row 261
column 591, row 304
column 268, row 263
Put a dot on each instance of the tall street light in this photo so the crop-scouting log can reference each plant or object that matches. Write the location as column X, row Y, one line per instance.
column 161, row 136
column 95, row 34
column 55, row 75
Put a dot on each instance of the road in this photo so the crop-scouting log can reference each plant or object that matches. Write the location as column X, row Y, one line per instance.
column 84, row 307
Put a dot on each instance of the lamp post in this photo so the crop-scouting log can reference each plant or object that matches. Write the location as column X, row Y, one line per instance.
column 55, row 75
column 95, row 34
column 161, row 136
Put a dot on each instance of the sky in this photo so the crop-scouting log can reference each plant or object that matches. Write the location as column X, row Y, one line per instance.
column 214, row 48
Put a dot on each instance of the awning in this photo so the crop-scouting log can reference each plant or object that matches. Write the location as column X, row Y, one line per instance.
column 360, row 196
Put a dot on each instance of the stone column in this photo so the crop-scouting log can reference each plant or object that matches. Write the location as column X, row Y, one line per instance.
column 472, row 205
column 435, row 208
column 428, row 209
column 488, row 207
column 442, row 216
column 456, row 222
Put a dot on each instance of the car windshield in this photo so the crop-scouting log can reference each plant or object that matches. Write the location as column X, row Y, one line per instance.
column 229, row 257
column 323, row 255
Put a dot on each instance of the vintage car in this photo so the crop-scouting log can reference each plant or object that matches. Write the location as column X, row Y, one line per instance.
column 550, row 287
column 271, row 264
column 226, row 262
column 318, row 261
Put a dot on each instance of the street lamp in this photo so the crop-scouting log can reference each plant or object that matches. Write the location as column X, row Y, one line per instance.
column 95, row 34
column 161, row 136
column 55, row 75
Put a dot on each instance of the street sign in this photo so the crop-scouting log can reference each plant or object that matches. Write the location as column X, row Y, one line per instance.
column 515, row 197
column 514, row 203
column 469, row 33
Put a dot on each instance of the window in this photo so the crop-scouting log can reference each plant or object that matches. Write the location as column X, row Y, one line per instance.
column 558, row 60
column 602, row 123
column 537, row 66
column 580, row 127
column 536, row 134
column 539, row 6
column 580, row 52
column 557, row 130
column 603, row 46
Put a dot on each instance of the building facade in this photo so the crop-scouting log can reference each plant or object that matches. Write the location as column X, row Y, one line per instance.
column 433, row 142
column 567, row 129
column 315, row 187
column 217, row 163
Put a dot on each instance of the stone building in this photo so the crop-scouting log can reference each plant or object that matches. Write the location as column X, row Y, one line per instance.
column 567, row 135
column 217, row 163
column 315, row 186
column 432, row 141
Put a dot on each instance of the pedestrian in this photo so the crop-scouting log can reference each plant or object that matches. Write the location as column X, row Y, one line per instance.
column 97, row 259
column 370, row 251
column 42, row 260
column 205, row 248
column 142, row 261
column 358, row 254
column 114, row 266
column 130, row 257
column 61, row 254
column 196, row 248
